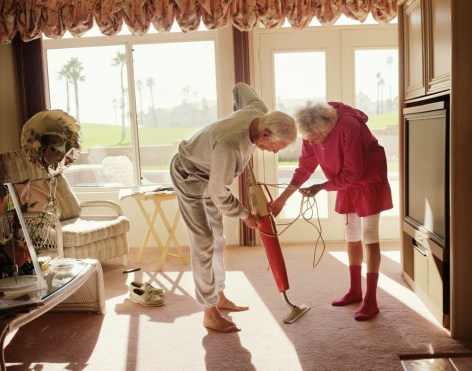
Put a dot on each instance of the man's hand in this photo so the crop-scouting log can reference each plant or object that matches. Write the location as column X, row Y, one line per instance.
column 252, row 221
column 276, row 206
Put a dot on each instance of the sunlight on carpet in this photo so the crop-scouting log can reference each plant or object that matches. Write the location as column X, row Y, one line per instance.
column 171, row 337
column 185, row 324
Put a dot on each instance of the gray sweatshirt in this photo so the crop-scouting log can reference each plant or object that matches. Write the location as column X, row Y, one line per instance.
column 218, row 153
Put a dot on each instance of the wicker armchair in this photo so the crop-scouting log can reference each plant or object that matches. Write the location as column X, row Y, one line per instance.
column 89, row 229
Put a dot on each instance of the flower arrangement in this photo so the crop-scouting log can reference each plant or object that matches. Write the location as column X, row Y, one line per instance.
column 14, row 254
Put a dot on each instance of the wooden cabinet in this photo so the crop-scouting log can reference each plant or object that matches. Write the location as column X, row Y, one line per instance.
column 426, row 270
column 426, row 40
column 413, row 41
column 438, row 42
column 443, row 50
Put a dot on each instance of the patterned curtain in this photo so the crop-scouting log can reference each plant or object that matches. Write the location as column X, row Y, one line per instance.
column 32, row 18
column 30, row 78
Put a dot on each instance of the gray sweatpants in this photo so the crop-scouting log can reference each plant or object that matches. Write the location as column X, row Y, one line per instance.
column 205, row 229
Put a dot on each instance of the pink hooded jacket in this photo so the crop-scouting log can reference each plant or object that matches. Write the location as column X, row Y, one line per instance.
column 353, row 162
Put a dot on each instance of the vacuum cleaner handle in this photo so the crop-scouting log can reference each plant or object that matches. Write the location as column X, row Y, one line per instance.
column 258, row 199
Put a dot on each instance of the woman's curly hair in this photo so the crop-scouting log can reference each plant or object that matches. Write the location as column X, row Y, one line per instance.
column 317, row 118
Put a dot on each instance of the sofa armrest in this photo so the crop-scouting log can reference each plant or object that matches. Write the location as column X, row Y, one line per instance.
column 100, row 208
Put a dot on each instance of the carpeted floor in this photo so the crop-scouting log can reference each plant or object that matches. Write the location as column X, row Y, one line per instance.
column 171, row 337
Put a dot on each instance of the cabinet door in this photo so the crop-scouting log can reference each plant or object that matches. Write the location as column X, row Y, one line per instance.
column 438, row 14
column 413, row 50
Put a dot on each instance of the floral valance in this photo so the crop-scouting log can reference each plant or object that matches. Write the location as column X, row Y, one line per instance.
column 32, row 18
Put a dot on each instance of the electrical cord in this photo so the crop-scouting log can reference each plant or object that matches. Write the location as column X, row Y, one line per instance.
column 308, row 208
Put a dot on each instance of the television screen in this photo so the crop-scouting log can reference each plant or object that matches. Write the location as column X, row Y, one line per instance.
column 427, row 172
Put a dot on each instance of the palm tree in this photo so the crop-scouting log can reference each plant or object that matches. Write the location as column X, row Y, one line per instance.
column 390, row 62
column 150, row 84
column 120, row 61
column 185, row 92
column 380, row 85
column 75, row 68
column 114, row 102
column 64, row 73
column 139, row 86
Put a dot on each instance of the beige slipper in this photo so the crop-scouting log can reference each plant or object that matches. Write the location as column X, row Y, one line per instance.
column 145, row 286
column 147, row 298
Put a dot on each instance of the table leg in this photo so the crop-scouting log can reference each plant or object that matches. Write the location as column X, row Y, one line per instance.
column 3, row 334
column 174, row 239
column 150, row 230
column 170, row 237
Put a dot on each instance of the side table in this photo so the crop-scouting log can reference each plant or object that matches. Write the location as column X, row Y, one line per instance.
column 158, row 198
column 84, row 292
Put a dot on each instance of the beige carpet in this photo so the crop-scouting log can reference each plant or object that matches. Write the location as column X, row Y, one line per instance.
column 171, row 337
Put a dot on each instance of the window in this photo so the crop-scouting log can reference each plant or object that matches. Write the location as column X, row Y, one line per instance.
column 136, row 98
column 293, row 88
column 356, row 65
column 377, row 96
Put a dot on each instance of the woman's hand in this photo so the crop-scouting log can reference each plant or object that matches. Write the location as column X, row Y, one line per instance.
column 311, row 191
column 252, row 221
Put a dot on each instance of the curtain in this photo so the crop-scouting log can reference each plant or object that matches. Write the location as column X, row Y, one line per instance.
column 30, row 78
column 33, row 18
column 247, row 236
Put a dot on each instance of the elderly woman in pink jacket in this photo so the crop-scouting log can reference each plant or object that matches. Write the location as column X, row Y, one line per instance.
column 336, row 137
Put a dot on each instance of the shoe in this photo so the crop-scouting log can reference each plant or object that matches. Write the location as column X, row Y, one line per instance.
column 147, row 298
column 145, row 286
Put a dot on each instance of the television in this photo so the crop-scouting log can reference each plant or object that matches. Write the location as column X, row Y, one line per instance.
column 427, row 170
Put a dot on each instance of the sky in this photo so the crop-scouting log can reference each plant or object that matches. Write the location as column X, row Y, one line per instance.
column 101, row 85
column 191, row 66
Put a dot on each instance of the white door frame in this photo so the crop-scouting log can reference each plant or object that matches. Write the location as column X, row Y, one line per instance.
column 339, row 43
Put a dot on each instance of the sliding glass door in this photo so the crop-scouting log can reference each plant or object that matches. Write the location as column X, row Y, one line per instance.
column 348, row 64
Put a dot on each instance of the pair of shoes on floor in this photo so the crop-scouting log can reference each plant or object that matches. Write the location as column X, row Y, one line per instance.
column 145, row 286
column 145, row 294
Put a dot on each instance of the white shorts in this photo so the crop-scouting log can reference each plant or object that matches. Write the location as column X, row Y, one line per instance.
column 369, row 230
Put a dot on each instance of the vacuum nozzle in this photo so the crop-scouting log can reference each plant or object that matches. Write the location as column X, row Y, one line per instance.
column 297, row 311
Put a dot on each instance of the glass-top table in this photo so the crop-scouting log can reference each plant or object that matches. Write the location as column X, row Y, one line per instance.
column 59, row 273
column 78, row 286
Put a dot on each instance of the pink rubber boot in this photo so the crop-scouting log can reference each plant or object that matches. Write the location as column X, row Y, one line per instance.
column 369, row 308
column 354, row 295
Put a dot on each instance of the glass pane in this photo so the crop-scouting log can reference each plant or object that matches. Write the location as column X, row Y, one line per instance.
column 377, row 95
column 293, row 88
column 90, row 83
column 174, row 98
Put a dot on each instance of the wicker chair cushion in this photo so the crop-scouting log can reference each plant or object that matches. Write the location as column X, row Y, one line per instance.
column 32, row 182
column 79, row 232
column 34, row 193
column 67, row 202
column 16, row 168
column 101, row 250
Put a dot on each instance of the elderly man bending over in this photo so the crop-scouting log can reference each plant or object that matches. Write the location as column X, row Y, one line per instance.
column 203, row 168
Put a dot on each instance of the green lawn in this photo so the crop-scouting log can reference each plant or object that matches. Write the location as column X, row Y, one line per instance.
column 100, row 135
column 381, row 121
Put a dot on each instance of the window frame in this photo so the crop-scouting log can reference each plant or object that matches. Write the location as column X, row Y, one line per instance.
column 224, row 65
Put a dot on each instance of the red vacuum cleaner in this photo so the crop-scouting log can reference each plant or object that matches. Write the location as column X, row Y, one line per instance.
column 268, row 232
